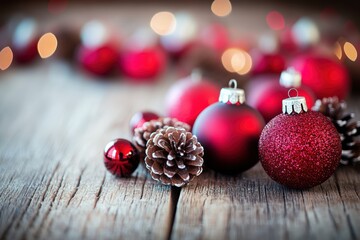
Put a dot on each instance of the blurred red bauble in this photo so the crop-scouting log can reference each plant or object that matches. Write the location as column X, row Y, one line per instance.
column 26, row 53
column 179, row 41
column 265, row 93
column 287, row 41
column 267, row 63
column 24, row 41
column 229, row 132
column 142, row 65
column 325, row 76
column 299, row 148
column 189, row 96
column 121, row 157
column 140, row 118
column 215, row 36
column 98, row 60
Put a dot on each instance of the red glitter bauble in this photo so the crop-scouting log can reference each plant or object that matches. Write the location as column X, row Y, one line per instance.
column 140, row 118
column 300, row 150
column 143, row 64
column 229, row 134
column 267, row 63
column 325, row 76
column 266, row 94
column 99, row 60
column 188, row 97
column 121, row 157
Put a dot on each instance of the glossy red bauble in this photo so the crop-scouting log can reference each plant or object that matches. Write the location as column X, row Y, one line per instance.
column 229, row 134
column 121, row 157
column 267, row 63
column 300, row 150
column 98, row 60
column 188, row 97
column 265, row 94
column 140, row 118
column 325, row 76
column 142, row 64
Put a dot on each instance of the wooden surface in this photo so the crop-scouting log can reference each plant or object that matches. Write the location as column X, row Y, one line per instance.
column 53, row 185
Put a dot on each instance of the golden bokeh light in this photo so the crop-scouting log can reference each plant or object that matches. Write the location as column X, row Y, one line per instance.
column 47, row 45
column 163, row 23
column 221, row 8
column 247, row 64
column 236, row 60
column 6, row 58
column 338, row 50
column 350, row 51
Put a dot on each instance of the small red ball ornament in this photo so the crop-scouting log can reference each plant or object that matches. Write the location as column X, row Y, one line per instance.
column 229, row 131
column 121, row 157
column 142, row 65
column 325, row 76
column 264, row 63
column 189, row 96
column 299, row 148
column 266, row 93
column 140, row 118
column 98, row 60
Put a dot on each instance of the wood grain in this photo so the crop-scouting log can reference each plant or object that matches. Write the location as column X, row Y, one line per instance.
column 53, row 185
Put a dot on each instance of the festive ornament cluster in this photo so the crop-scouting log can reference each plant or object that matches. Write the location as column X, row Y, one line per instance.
column 171, row 153
column 298, row 148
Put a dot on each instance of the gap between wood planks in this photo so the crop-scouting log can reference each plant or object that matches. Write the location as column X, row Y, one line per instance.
column 174, row 200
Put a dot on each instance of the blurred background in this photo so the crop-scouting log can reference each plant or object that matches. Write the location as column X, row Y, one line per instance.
column 140, row 42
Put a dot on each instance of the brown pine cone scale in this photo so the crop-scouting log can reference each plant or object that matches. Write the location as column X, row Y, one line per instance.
column 348, row 128
column 142, row 134
column 174, row 156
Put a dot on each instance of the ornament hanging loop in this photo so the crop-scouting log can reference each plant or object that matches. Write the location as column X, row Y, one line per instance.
column 294, row 104
column 233, row 83
column 232, row 94
column 293, row 89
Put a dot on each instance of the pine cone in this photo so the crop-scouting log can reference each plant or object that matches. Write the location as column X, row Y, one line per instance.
column 142, row 134
column 348, row 129
column 174, row 156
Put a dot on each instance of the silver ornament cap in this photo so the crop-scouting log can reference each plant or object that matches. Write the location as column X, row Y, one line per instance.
column 232, row 94
column 290, row 78
column 294, row 104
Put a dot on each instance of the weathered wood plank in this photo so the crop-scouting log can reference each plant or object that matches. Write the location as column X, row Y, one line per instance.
column 251, row 207
column 53, row 183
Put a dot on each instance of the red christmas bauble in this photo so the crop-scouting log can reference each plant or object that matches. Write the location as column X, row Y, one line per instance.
column 215, row 36
column 98, row 60
column 229, row 132
column 121, row 157
column 300, row 150
column 188, row 97
column 142, row 64
column 265, row 94
column 267, row 63
column 325, row 76
column 26, row 53
column 24, row 40
column 140, row 118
